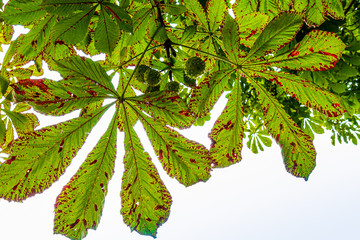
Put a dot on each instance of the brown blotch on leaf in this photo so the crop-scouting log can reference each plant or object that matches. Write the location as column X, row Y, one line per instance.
column 10, row 160
column 75, row 223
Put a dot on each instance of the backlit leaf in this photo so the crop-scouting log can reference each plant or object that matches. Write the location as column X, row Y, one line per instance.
column 306, row 93
column 80, row 204
column 73, row 29
column 228, row 131
column 77, row 67
column 165, row 106
column 208, row 92
column 296, row 147
column 58, row 97
column 145, row 200
column 187, row 161
column 216, row 11
column 28, row 170
column 279, row 32
column 107, row 33
column 318, row 51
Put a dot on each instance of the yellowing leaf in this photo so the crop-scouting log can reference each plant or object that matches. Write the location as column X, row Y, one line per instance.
column 79, row 205
column 187, row 161
column 165, row 106
column 28, row 170
column 296, row 147
column 145, row 200
column 318, row 51
column 228, row 131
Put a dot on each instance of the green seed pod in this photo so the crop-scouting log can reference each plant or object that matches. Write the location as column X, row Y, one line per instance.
column 150, row 89
column 140, row 71
column 152, row 77
column 194, row 66
column 189, row 82
column 172, row 86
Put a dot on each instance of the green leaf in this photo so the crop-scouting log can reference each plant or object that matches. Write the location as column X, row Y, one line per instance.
column 187, row 161
column 107, row 33
column 165, row 106
column 296, row 147
column 173, row 9
column 216, row 10
column 228, row 131
column 231, row 40
column 306, row 92
column 243, row 7
column 22, row 13
column 208, row 92
column 122, row 18
column 58, row 97
column 318, row 51
column 250, row 27
column 35, row 41
column 145, row 200
column 279, row 32
column 73, row 29
column 79, row 205
column 4, row 83
column 77, row 67
column 196, row 11
column 28, row 170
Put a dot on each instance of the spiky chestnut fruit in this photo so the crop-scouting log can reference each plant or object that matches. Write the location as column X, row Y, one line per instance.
column 152, row 77
column 140, row 71
column 172, row 86
column 189, row 82
column 150, row 89
column 194, row 66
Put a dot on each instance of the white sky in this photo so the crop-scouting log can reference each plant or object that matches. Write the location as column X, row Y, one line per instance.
column 253, row 200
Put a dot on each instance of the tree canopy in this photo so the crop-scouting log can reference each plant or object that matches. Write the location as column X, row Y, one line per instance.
column 289, row 70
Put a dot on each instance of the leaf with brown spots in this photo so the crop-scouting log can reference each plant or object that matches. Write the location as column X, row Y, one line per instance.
column 86, row 70
column 228, row 131
column 28, row 170
column 306, row 92
column 165, row 106
column 58, row 97
column 208, row 92
column 79, row 205
column 318, row 51
column 188, row 161
column 279, row 32
column 145, row 200
column 296, row 147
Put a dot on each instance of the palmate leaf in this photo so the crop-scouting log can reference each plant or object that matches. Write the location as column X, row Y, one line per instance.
column 145, row 200
column 28, row 170
column 296, row 147
column 79, row 205
column 165, row 106
column 228, row 131
column 187, row 161
column 58, row 97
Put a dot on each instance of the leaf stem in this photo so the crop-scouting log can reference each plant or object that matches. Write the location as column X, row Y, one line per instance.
column 206, row 53
column 138, row 63
column 149, row 49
